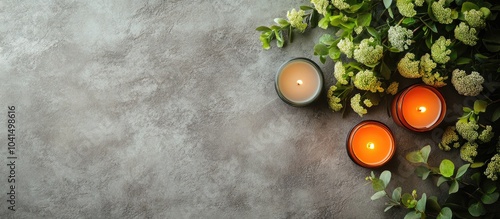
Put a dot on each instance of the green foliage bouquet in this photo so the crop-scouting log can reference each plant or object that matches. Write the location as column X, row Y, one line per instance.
column 375, row 43
column 371, row 41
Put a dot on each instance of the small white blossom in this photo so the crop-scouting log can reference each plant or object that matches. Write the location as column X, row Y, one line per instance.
column 466, row 34
column 346, row 46
column 400, row 37
column 368, row 52
column 320, row 5
column 296, row 19
column 467, row 85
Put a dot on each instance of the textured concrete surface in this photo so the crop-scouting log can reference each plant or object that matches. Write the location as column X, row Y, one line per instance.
column 167, row 109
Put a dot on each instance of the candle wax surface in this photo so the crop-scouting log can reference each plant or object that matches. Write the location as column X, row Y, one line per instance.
column 372, row 144
column 299, row 81
column 421, row 107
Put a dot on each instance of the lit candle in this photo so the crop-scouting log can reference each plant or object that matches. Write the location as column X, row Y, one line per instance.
column 419, row 108
column 299, row 81
column 370, row 144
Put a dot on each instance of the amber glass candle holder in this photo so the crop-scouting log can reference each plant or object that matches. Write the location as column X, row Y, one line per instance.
column 419, row 108
column 370, row 144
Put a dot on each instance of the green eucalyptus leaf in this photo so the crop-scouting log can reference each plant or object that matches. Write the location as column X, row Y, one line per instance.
column 415, row 157
column 385, row 71
column 265, row 41
column 385, row 176
column 480, row 57
column 476, row 209
column 445, row 213
column 425, row 151
column 327, row 39
column 372, row 174
column 421, row 203
column 422, row 172
column 336, row 20
column 454, row 14
column 387, row 3
column 373, row 32
column 396, row 194
column 467, row 6
column 486, row 11
column 467, row 109
column 490, row 198
column 322, row 59
column 490, row 45
column 480, row 106
column 463, row 61
column 279, row 38
column 391, row 14
column 462, row 170
column 446, row 168
column 355, row 8
column 453, row 55
column 477, row 165
column 441, row 180
column 453, row 187
column 476, row 178
column 428, row 41
column 388, row 207
column 431, row 25
column 320, row 49
column 364, row 19
column 413, row 215
column 305, row 7
column 378, row 195
column 282, row 22
column 314, row 19
column 377, row 184
column 496, row 115
column 275, row 28
column 409, row 21
column 394, row 49
column 334, row 53
column 489, row 187
column 323, row 23
column 433, row 204
column 263, row 28
column 348, row 25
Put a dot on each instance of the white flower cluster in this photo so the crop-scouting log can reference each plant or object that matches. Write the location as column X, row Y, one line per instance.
column 467, row 85
column 400, row 37
column 368, row 52
column 296, row 19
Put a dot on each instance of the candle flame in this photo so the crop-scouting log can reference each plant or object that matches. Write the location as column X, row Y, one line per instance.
column 370, row 145
column 422, row 109
column 299, row 82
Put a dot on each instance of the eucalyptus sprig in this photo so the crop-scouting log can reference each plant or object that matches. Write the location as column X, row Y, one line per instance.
column 418, row 207
column 469, row 194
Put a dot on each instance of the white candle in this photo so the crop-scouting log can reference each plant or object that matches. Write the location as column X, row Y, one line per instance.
column 299, row 82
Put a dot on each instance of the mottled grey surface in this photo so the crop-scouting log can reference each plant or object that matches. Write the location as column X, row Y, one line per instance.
column 167, row 109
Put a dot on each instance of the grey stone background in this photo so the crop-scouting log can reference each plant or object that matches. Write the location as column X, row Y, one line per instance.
column 167, row 109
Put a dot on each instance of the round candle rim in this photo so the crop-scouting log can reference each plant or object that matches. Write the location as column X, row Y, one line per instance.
column 350, row 150
column 304, row 103
column 398, row 105
column 403, row 97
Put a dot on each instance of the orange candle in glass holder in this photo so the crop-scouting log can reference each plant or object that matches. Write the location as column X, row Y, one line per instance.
column 419, row 108
column 370, row 144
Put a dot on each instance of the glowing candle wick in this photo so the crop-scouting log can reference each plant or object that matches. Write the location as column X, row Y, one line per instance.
column 422, row 109
column 370, row 145
column 299, row 82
